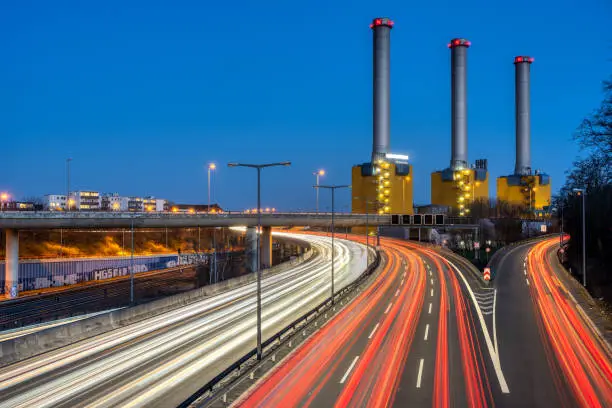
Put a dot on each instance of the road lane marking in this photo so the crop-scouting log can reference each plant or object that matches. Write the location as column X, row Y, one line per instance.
column 432, row 292
column 396, row 293
column 388, row 307
column 402, row 282
column 432, row 281
column 418, row 384
column 525, row 271
column 527, row 280
column 492, row 353
column 426, row 332
column 495, row 331
column 349, row 370
column 429, row 309
column 373, row 331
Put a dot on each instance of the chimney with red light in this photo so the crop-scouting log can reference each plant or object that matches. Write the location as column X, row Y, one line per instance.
column 523, row 120
column 459, row 155
column 381, row 28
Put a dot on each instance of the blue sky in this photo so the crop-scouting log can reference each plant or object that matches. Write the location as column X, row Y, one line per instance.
column 143, row 94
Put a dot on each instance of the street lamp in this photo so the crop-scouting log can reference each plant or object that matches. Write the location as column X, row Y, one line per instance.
column 318, row 174
column 211, row 166
column 259, row 167
column 582, row 192
column 68, row 160
column 3, row 199
column 333, row 190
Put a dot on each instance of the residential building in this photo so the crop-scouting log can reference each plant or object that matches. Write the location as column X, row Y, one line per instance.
column 112, row 202
column 55, row 202
column 84, row 200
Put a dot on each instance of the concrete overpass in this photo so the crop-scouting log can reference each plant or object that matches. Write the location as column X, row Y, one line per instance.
column 13, row 221
column 54, row 219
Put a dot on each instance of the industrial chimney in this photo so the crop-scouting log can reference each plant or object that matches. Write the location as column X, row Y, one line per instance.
column 523, row 120
column 459, row 156
column 381, row 28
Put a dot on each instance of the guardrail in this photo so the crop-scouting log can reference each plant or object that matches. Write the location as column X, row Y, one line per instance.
column 277, row 339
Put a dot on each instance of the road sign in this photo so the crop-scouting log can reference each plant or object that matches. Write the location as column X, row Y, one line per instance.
column 487, row 274
column 476, row 245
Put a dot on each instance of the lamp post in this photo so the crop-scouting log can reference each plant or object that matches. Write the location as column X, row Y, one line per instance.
column 211, row 166
column 3, row 200
column 317, row 174
column 259, row 167
column 68, row 160
column 333, row 190
column 582, row 192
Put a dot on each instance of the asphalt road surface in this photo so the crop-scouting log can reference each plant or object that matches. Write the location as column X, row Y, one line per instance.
column 428, row 333
column 163, row 360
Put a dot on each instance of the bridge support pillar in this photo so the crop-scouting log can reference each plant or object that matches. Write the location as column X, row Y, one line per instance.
column 266, row 247
column 250, row 246
column 11, row 275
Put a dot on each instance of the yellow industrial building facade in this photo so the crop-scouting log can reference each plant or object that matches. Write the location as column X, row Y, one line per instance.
column 531, row 192
column 458, row 189
column 383, row 187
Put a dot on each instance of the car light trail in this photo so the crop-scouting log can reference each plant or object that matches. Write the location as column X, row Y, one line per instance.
column 582, row 355
column 161, row 360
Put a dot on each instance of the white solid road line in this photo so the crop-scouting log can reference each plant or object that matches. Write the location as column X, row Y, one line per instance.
column 495, row 331
column 492, row 352
column 426, row 332
column 373, row 331
column 432, row 292
column 527, row 280
column 396, row 293
column 388, row 307
column 418, row 384
column 349, row 370
column 429, row 309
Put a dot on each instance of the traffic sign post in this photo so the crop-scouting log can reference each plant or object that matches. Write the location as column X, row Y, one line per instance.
column 487, row 274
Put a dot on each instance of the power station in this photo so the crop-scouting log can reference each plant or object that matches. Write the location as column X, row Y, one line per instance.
column 383, row 185
column 460, row 184
column 528, row 189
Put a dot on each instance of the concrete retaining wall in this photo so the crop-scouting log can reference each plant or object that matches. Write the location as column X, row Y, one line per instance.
column 55, row 337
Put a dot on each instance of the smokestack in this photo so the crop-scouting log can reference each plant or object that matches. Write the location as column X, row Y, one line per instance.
column 381, row 28
column 523, row 120
column 459, row 156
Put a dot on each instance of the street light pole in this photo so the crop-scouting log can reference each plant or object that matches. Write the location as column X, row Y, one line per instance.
column 582, row 192
column 211, row 166
column 132, row 267
column 333, row 190
column 317, row 174
column 68, row 160
column 259, row 167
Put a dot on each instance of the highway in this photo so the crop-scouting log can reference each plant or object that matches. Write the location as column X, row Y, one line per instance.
column 161, row 361
column 549, row 348
column 429, row 333
column 414, row 336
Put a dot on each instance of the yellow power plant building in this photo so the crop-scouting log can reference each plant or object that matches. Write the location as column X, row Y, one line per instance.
column 457, row 189
column 524, row 188
column 383, row 187
column 460, row 184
